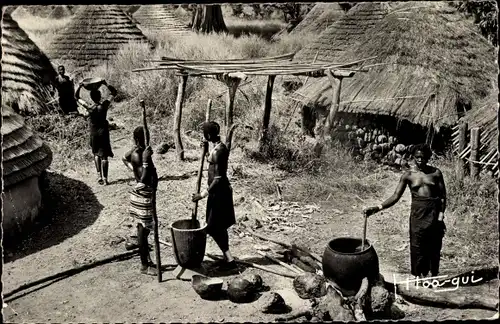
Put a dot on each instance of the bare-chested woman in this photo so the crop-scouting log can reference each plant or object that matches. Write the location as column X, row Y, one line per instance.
column 99, row 130
column 428, row 204
column 142, row 197
column 220, row 209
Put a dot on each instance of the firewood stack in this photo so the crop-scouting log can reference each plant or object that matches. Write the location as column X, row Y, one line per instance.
column 372, row 143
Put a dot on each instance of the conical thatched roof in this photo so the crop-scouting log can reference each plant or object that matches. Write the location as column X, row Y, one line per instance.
column 94, row 35
column 60, row 12
column 160, row 17
column 321, row 16
column 432, row 60
column 24, row 153
column 344, row 33
column 26, row 71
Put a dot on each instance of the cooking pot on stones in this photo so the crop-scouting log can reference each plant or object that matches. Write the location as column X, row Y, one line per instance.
column 347, row 263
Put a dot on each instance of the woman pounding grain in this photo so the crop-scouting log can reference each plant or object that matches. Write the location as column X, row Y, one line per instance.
column 220, row 209
column 99, row 130
column 428, row 203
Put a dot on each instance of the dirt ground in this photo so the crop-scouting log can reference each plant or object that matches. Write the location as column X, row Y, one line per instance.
column 90, row 221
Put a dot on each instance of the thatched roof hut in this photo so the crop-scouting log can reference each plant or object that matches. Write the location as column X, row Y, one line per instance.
column 433, row 63
column 321, row 16
column 24, row 153
column 25, row 158
column 94, row 35
column 26, row 71
column 160, row 17
column 60, row 12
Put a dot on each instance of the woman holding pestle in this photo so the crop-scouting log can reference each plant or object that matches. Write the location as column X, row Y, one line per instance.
column 220, row 209
column 428, row 204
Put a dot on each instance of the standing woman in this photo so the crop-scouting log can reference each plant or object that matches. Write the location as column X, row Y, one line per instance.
column 99, row 129
column 428, row 204
column 220, row 209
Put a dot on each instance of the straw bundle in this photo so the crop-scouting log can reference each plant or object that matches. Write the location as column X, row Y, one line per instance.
column 26, row 71
column 431, row 60
column 160, row 17
column 94, row 35
column 321, row 16
column 24, row 153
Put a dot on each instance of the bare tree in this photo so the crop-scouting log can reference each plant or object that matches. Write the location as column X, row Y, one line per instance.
column 208, row 18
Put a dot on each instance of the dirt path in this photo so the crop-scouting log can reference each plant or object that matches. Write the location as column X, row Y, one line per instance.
column 117, row 292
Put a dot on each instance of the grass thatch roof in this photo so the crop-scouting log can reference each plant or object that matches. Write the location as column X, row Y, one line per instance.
column 428, row 51
column 485, row 117
column 94, row 35
column 160, row 17
column 24, row 153
column 60, row 12
column 344, row 33
column 26, row 71
column 321, row 16
column 9, row 9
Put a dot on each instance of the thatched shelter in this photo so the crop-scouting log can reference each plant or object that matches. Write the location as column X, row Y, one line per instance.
column 431, row 63
column 60, row 12
column 321, row 16
column 26, row 72
column 94, row 35
column 25, row 158
column 160, row 17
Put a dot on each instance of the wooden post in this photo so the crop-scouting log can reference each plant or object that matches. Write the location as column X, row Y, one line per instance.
column 232, row 85
column 178, row 117
column 209, row 109
column 474, row 154
column 462, row 143
column 267, row 111
column 336, row 82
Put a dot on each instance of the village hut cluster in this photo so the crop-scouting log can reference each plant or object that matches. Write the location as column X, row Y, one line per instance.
column 368, row 84
column 408, row 94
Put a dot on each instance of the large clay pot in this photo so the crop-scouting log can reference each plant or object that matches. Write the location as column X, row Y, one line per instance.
column 346, row 264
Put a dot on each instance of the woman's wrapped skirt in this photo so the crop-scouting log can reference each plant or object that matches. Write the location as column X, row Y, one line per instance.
column 142, row 206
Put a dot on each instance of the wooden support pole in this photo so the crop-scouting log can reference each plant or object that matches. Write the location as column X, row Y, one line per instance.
column 462, row 142
column 209, row 109
column 232, row 85
column 178, row 117
column 474, row 154
column 336, row 82
column 267, row 111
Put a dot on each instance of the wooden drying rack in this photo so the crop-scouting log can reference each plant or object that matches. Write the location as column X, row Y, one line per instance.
column 232, row 71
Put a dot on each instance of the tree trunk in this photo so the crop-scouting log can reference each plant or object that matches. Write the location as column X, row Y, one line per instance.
column 208, row 18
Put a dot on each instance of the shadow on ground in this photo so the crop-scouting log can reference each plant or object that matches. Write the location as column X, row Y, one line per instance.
column 69, row 207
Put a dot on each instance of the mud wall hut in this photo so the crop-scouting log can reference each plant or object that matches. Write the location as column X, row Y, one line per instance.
column 27, row 74
column 160, row 17
column 25, row 158
column 94, row 35
column 430, row 66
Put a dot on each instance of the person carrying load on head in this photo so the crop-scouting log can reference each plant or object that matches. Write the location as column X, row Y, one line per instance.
column 65, row 89
column 142, row 197
column 220, row 208
column 99, row 128
column 428, row 204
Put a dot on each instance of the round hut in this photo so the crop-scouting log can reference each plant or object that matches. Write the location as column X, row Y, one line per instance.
column 25, row 158
column 160, row 17
column 94, row 35
column 429, row 69
column 321, row 16
column 27, row 74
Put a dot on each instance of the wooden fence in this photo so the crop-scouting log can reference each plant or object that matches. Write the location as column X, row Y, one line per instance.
column 477, row 150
